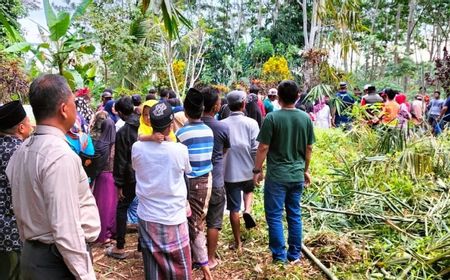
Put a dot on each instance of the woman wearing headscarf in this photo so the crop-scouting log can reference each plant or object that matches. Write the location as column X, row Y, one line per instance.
column 109, row 107
column 82, row 101
column 403, row 115
column 105, row 192
column 322, row 113
column 79, row 141
column 252, row 108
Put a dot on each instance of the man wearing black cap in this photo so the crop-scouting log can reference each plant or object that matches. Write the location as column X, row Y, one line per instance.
column 106, row 96
column 342, row 118
column 14, row 128
column 56, row 212
column 199, row 139
column 162, row 193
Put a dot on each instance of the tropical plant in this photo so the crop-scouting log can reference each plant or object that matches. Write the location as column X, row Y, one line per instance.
column 60, row 43
column 276, row 69
column 13, row 80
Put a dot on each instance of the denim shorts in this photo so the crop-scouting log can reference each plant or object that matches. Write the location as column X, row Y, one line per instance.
column 234, row 196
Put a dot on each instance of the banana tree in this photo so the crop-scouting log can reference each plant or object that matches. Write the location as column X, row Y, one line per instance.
column 59, row 43
column 171, row 15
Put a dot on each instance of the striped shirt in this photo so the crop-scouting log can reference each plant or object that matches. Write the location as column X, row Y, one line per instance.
column 199, row 139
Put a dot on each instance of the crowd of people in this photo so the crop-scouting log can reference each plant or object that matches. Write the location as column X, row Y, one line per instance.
column 83, row 173
column 388, row 107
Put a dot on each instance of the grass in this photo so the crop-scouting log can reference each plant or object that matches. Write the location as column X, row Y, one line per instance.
column 370, row 215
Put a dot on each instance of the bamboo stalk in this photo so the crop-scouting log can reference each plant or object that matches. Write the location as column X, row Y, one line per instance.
column 384, row 218
column 325, row 270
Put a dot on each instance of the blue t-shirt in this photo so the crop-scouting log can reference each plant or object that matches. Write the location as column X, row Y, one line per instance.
column 347, row 101
column 221, row 141
column 436, row 107
column 446, row 116
column 199, row 139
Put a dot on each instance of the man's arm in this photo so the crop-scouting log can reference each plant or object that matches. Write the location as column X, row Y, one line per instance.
column 120, row 159
column 63, row 211
column 261, row 155
column 308, row 156
column 443, row 110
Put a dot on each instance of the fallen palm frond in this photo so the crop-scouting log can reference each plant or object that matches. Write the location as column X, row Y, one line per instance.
column 391, row 197
column 325, row 270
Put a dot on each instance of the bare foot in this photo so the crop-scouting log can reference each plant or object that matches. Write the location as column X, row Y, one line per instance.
column 207, row 273
column 212, row 263
column 236, row 247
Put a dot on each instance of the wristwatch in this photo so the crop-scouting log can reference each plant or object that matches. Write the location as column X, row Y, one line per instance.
column 256, row 171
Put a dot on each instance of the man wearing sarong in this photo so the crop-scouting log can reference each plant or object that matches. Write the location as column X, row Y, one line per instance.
column 199, row 139
column 14, row 128
column 162, row 193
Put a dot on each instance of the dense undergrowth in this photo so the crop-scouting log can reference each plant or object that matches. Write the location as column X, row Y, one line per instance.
column 379, row 207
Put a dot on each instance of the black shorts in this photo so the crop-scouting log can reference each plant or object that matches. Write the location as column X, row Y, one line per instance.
column 234, row 196
column 214, row 217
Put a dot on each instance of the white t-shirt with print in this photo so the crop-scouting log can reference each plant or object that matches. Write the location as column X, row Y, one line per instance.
column 160, row 184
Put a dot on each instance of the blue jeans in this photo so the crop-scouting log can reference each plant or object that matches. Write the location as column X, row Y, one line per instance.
column 278, row 196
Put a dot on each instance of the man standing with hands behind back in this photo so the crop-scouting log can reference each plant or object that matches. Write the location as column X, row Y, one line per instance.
column 55, row 209
column 286, row 138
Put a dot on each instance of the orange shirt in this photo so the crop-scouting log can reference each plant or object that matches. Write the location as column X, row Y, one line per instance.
column 390, row 111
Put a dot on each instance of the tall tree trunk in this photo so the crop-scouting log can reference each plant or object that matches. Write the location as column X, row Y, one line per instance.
column 397, row 31
column 412, row 8
column 304, row 5
column 260, row 14
column 374, row 18
column 276, row 10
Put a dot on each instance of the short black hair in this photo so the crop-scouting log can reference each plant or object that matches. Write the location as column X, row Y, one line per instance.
column 210, row 97
column 390, row 93
column 150, row 96
column 152, row 90
column 47, row 93
column 193, row 104
column 172, row 94
column 288, row 92
column 438, row 92
column 164, row 93
column 124, row 105
column 174, row 102
column 254, row 89
column 108, row 90
column 236, row 106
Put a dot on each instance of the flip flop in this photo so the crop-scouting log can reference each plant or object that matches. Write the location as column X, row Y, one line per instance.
column 249, row 221
column 110, row 253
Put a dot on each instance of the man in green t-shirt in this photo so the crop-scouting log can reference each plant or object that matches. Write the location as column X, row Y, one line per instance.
column 286, row 139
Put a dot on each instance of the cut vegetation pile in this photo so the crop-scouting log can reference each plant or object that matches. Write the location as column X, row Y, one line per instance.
column 380, row 215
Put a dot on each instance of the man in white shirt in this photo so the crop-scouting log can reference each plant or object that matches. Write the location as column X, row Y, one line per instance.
column 162, row 193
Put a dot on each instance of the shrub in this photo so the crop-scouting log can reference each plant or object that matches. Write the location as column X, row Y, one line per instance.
column 276, row 69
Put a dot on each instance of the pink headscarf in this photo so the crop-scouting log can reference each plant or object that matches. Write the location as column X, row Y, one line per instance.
column 319, row 105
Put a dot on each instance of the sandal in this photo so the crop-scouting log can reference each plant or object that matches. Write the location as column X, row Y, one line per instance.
column 249, row 221
column 109, row 252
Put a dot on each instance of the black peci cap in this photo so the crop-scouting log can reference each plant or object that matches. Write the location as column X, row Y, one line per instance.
column 161, row 115
column 11, row 114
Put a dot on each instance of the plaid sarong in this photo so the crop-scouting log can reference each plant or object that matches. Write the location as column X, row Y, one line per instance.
column 199, row 195
column 166, row 251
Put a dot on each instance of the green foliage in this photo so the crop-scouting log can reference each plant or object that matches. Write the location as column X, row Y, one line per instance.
column 262, row 49
column 405, row 67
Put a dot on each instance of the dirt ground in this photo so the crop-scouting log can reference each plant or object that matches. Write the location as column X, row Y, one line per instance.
column 254, row 262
